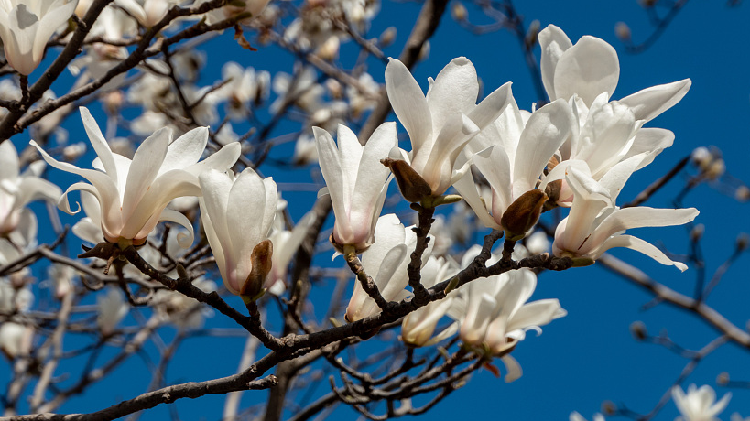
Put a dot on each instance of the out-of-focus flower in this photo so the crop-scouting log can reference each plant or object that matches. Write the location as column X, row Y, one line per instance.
column 111, row 308
column 356, row 181
column 27, row 25
column 698, row 404
column 595, row 224
column 133, row 194
column 244, row 87
column 575, row 416
column 15, row 339
column 61, row 277
column 537, row 243
column 285, row 245
column 439, row 124
column 147, row 12
column 237, row 215
column 16, row 190
column 419, row 325
column 305, row 150
column 386, row 262
column 183, row 311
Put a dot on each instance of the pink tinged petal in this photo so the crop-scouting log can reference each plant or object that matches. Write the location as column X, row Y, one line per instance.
column 553, row 43
column 638, row 245
column 184, row 239
column 588, row 69
column 649, row 103
column 186, row 150
column 639, row 217
column 492, row 106
column 8, row 161
column 651, row 141
column 331, row 168
column 454, row 91
column 478, row 315
column 409, row 103
column 545, row 132
column 468, row 191
column 143, row 170
column 100, row 145
column 111, row 218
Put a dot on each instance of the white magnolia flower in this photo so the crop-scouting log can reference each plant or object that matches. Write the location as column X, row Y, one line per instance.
column 419, row 325
column 244, row 86
column 519, row 150
column 183, row 311
column 17, row 190
column 147, row 12
column 386, row 262
column 698, row 404
column 595, row 224
column 111, row 308
column 133, row 194
column 15, row 339
column 738, row 417
column 356, row 180
column 237, row 215
column 27, row 25
column 494, row 314
column 441, row 123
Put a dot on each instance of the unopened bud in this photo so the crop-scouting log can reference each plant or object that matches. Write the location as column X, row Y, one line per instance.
column 622, row 31
column 459, row 12
column 532, row 34
column 697, row 232
column 413, row 187
column 330, row 49
column 523, row 214
column 741, row 242
column 335, row 88
column 648, row 3
column 716, row 169
column 701, row 157
column 608, row 408
column 638, row 330
column 742, row 194
column 73, row 152
column 113, row 101
column 261, row 259
column 387, row 37
column 722, row 378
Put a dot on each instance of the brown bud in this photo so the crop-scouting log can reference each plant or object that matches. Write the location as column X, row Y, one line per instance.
column 608, row 408
column 622, row 31
column 638, row 330
column 261, row 259
column 553, row 194
column 412, row 186
column 522, row 214
column 723, row 378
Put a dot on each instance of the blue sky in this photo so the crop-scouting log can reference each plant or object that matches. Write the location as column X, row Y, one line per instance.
column 589, row 356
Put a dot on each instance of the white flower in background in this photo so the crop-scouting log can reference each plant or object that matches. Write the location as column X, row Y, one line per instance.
column 356, row 181
column 537, row 243
column 27, row 25
column 13, row 299
column 595, row 224
column 61, row 278
column 147, row 12
column 519, row 150
column 183, row 311
column 285, row 245
column 302, row 90
column 575, row 416
column 419, row 325
column 17, row 190
column 133, row 194
column 15, row 339
column 698, row 404
column 244, row 87
column 386, row 262
column 111, row 308
column 738, row 417
column 237, row 215
column 305, row 150
column 441, row 123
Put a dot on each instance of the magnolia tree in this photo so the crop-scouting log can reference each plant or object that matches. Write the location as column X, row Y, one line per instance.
column 375, row 297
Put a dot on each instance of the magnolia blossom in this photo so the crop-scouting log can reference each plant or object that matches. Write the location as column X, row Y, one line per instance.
column 386, row 262
column 16, row 190
column 419, row 325
column 606, row 133
column 440, row 124
column 595, row 224
column 15, row 339
column 494, row 314
column 27, row 25
column 111, row 308
column 356, row 180
column 147, row 12
column 183, row 311
column 519, row 150
column 237, row 215
column 133, row 194
column 698, row 404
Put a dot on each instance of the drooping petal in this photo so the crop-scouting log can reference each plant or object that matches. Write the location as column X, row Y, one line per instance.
column 651, row 141
column 640, row 246
column 184, row 239
column 638, row 217
column 408, row 102
column 535, row 314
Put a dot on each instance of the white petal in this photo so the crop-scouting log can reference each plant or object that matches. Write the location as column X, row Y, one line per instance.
column 100, row 145
column 640, row 246
column 184, row 239
column 553, row 43
column 493, row 104
column 143, row 169
column 454, row 91
column 8, row 161
column 408, row 102
column 186, row 150
column 649, row 103
column 641, row 216
column 588, row 69
column 330, row 166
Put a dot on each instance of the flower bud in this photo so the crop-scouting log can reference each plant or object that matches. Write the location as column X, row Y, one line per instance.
column 262, row 262
column 532, row 34
column 523, row 214
column 459, row 12
column 742, row 194
column 412, row 186
column 723, row 378
column 741, row 242
column 697, row 233
column 330, row 49
column 608, row 408
column 638, row 330
column 701, row 157
column 387, row 37
column 622, row 31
